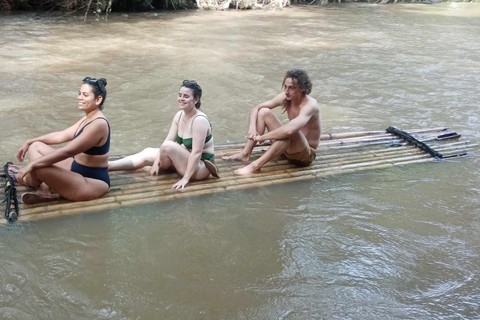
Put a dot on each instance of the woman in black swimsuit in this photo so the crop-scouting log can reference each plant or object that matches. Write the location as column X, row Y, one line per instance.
column 79, row 170
column 188, row 146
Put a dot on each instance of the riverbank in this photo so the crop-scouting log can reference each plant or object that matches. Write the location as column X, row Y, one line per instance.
column 456, row 8
column 105, row 7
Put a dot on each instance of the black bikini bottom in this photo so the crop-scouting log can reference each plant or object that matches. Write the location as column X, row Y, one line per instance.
column 91, row 172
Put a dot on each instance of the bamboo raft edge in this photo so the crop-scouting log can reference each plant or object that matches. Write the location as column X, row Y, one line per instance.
column 339, row 154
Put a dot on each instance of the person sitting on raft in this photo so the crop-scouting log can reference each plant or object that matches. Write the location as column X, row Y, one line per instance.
column 298, row 139
column 79, row 170
column 188, row 147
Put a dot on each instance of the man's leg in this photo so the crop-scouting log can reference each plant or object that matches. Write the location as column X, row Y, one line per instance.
column 296, row 143
column 277, row 148
column 265, row 120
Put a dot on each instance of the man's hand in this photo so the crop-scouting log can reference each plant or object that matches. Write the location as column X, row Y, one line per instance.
column 251, row 134
column 258, row 138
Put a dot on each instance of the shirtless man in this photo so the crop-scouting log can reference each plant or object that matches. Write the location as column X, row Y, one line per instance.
column 298, row 139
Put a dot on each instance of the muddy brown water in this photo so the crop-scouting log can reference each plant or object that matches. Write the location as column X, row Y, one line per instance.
column 401, row 243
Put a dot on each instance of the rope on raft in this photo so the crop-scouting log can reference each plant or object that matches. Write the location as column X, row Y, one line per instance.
column 415, row 142
column 11, row 208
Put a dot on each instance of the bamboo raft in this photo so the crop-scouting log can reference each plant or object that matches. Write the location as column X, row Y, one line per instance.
column 337, row 154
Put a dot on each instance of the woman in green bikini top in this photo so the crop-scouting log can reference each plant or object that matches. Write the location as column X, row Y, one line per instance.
column 188, row 142
column 188, row 147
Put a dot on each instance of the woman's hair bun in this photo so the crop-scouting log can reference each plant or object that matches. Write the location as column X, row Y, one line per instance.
column 103, row 81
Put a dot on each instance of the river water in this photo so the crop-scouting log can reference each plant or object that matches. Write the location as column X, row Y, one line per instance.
column 401, row 243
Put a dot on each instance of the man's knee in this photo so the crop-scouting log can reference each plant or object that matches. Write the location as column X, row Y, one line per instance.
column 282, row 142
column 265, row 112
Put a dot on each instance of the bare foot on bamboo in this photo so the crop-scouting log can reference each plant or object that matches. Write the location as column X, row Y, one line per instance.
column 37, row 197
column 246, row 171
column 42, row 194
column 237, row 157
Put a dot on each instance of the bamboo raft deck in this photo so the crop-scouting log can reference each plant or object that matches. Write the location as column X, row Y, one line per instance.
column 337, row 154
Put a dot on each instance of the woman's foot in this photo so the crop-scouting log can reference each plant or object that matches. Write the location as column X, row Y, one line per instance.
column 13, row 173
column 212, row 167
column 35, row 197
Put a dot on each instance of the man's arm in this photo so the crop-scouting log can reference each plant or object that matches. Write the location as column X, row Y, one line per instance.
column 270, row 104
column 295, row 125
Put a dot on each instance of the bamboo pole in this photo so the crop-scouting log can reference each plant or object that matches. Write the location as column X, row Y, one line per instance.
column 348, row 135
column 143, row 187
column 356, row 152
column 256, row 181
column 147, row 181
column 161, row 198
column 166, row 183
column 340, row 145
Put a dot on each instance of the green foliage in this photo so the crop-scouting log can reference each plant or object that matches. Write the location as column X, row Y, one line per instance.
column 96, row 7
column 104, row 7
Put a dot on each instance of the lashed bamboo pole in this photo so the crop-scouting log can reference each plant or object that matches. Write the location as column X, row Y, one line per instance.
column 146, row 180
column 354, row 143
column 256, row 181
column 335, row 157
column 351, row 135
column 143, row 186
column 161, row 197
column 358, row 156
column 322, row 154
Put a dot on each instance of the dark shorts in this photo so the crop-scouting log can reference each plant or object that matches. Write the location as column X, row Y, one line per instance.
column 303, row 158
column 91, row 172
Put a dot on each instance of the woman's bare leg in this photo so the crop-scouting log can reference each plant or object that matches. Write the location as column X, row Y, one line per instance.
column 173, row 154
column 35, row 151
column 70, row 185
column 135, row 161
column 61, row 179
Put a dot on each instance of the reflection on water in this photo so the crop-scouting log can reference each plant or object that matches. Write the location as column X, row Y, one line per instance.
column 400, row 243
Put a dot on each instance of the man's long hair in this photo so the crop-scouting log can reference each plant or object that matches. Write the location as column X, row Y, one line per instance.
column 300, row 78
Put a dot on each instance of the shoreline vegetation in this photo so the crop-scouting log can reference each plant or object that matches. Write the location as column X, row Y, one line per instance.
column 106, row 6
column 101, row 8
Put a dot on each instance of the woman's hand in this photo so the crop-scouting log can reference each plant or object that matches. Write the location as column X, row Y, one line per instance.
column 22, row 151
column 180, row 184
column 155, row 168
column 23, row 172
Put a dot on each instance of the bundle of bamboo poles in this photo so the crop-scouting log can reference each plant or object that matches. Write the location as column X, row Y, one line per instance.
column 337, row 154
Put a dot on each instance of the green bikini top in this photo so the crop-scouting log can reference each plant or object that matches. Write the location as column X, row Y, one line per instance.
column 188, row 142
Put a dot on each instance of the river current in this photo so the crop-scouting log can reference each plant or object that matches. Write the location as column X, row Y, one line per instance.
column 400, row 243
